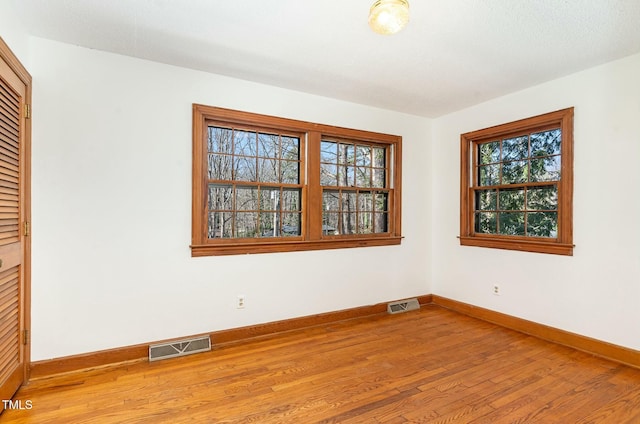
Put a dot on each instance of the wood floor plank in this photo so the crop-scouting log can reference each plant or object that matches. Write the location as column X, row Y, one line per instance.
column 426, row 366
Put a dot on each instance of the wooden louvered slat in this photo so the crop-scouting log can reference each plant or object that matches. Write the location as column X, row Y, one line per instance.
column 9, row 330
column 10, row 166
column 8, row 145
column 10, row 141
column 8, row 184
column 8, row 192
column 5, row 321
column 9, row 178
column 13, row 197
column 9, row 132
column 9, row 237
column 8, row 203
column 9, row 96
column 8, row 108
column 8, row 122
column 8, row 155
column 8, row 138
column 7, row 317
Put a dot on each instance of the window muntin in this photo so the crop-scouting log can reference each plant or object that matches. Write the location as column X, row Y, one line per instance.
column 517, row 185
column 269, row 184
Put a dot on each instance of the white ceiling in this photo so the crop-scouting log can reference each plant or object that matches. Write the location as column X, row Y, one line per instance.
column 452, row 54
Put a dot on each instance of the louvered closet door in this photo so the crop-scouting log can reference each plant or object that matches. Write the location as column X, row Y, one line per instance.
column 12, row 127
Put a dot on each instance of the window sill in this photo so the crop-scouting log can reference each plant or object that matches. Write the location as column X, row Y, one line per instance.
column 536, row 246
column 289, row 246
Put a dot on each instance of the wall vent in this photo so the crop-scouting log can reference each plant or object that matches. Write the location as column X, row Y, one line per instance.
column 179, row 348
column 403, row 306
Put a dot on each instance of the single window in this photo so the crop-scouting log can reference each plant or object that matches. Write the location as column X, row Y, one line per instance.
column 516, row 187
column 267, row 184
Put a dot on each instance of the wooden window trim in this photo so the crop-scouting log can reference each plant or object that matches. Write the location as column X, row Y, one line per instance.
column 563, row 244
column 311, row 238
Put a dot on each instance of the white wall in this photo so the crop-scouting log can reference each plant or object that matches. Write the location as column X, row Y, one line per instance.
column 13, row 33
column 597, row 291
column 112, row 205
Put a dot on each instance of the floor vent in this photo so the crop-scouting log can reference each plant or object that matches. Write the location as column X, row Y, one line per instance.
column 179, row 348
column 403, row 306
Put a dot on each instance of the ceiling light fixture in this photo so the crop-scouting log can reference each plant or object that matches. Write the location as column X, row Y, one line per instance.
column 388, row 16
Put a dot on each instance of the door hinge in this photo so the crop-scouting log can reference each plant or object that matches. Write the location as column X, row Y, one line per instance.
column 27, row 230
column 25, row 337
column 27, row 110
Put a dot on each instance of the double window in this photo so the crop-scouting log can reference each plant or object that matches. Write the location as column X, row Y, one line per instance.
column 268, row 184
column 517, row 185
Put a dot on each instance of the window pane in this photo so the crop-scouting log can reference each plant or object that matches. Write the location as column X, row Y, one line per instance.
column 381, row 200
column 247, row 198
column 244, row 169
column 546, row 143
column 346, row 154
column 545, row 169
column 486, row 222
column 379, row 157
column 486, row 200
column 331, row 200
column 270, row 224
column 291, row 225
column 268, row 145
column 348, row 201
column 220, row 140
column 290, row 148
column 381, row 222
column 291, row 201
column 219, row 167
column 268, row 170
column 489, row 152
column 328, row 175
column 289, row 172
column 363, row 177
column 330, row 223
column 365, row 223
column 363, row 155
column 346, row 176
column 489, row 175
column 542, row 198
column 515, row 148
column 515, row 172
column 542, row 224
column 511, row 200
column 220, row 197
column 246, row 224
column 220, row 225
column 365, row 202
column 512, row 223
column 348, row 224
column 269, row 199
column 245, row 143
column 329, row 152
column 378, row 178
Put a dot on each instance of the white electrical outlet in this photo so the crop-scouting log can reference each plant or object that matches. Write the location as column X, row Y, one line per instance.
column 240, row 302
column 496, row 289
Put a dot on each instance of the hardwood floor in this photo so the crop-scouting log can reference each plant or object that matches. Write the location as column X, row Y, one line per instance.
column 427, row 366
